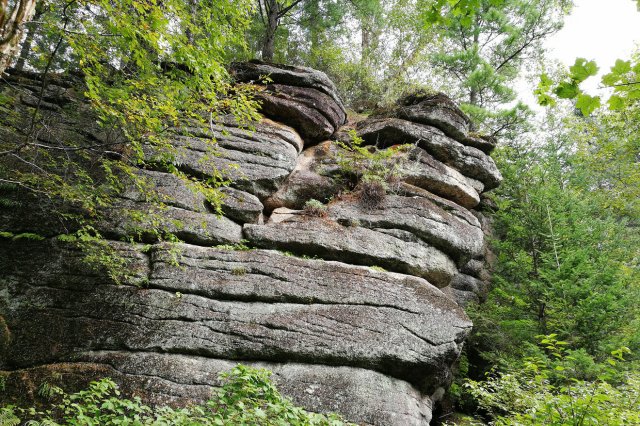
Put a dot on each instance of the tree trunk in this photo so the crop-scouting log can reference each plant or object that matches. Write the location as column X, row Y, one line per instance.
column 11, row 29
column 25, row 50
column 272, row 10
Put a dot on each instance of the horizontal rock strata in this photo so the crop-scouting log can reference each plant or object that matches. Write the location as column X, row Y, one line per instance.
column 355, row 306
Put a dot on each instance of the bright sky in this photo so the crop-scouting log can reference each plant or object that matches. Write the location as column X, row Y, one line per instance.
column 596, row 29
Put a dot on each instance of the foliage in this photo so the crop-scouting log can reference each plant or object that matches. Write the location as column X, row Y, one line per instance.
column 147, row 68
column 368, row 166
column 371, row 49
column 623, row 79
column 246, row 397
column 314, row 207
column 543, row 391
column 484, row 46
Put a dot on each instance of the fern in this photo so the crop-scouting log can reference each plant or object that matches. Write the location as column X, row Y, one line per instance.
column 8, row 417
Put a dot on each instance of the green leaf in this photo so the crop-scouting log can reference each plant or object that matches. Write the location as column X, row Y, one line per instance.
column 567, row 90
column 616, row 103
column 583, row 69
column 621, row 67
column 587, row 104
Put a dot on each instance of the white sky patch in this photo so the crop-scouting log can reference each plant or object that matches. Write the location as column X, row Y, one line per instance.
column 596, row 30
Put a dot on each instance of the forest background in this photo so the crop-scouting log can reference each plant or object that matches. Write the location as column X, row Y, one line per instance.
column 558, row 339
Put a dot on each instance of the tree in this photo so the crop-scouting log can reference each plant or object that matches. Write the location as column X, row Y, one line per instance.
column 567, row 257
column 483, row 50
column 271, row 12
column 13, row 16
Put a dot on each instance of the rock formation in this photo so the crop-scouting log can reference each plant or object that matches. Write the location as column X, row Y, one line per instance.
column 356, row 308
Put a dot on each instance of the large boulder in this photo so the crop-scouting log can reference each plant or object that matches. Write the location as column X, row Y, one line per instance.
column 220, row 304
column 300, row 97
column 255, row 160
column 394, row 249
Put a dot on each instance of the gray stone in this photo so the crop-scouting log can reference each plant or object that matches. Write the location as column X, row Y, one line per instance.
column 459, row 238
column 468, row 283
column 352, row 244
column 255, row 161
column 314, row 114
column 241, row 206
column 434, row 109
column 484, row 143
column 311, row 179
column 468, row 160
column 362, row 396
column 238, row 305
column 254, row 71
column 428, row 173
column 140, row 220
column 297, row 96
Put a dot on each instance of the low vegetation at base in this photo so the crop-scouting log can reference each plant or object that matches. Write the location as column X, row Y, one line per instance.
column 247, row 397
column 557, row 386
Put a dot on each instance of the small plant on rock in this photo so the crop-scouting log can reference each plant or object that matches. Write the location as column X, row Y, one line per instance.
column 315, row 208
column 371, row 171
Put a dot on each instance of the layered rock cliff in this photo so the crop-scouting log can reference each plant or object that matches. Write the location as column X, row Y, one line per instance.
column 355, row 304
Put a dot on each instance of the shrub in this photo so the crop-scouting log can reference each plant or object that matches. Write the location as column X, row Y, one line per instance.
column 247, row 397
column 371, row 171
column 315, row 208
column 544, row 390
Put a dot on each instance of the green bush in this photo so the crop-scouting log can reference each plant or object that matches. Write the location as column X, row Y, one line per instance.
column 247, row 397
column 546, row 390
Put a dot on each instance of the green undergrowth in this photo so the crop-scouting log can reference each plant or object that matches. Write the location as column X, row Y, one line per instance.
column 557, row 386
column 247, row 397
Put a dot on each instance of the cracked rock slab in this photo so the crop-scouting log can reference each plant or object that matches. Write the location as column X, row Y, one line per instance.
column 255, row 161
column 470, row 161
column 138, row 220
column 437, row 110
column 300, row 97
column 459, row 236
column 278, row 308
column 353, row 244
column 309, row 180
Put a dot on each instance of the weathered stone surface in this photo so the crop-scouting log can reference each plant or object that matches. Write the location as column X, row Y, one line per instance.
column 309, row 180
column 316, row 176
column 468, row 160
column 462, row 297
column 363, row 396
column 123, row 220
column 313, row 113
column 239, row 305
column 241, row 206
column 474, row 267
column 428, row 173
column 282, row 214
column 255, row 161
column 353, row 244
column 469, row 284
column 376, row 346
column 300, row 97
column 434, row 109
column 484, row 143
column 169, row 189
column 459, row 237
column 253, row 71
